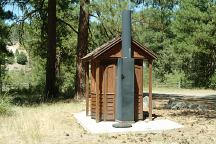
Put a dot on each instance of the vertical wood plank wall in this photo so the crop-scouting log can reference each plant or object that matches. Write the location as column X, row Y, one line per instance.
column 103, row 95
column 138, row 106
column 102, row 91
column 108, row 92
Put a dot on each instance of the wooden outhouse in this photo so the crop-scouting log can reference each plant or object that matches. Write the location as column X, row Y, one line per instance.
column 100, row 69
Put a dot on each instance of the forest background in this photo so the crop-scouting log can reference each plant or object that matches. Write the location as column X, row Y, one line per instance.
column 57, row 34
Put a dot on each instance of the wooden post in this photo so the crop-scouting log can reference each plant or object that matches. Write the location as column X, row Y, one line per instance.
column 97, row 93
column 142, row 85
column 150, row 89
column 87, row 87
column 104, row 94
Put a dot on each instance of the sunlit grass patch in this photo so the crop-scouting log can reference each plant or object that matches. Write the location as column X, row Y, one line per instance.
column 33, row 125
column 5, row 105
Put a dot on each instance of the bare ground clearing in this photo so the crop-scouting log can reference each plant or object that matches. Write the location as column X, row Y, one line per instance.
column 54, row 124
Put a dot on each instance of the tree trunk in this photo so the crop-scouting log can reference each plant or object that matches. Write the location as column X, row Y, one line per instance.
column 51, row 52
column 82, row 47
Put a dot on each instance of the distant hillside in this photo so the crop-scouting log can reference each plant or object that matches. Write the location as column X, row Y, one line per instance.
column 13, row 49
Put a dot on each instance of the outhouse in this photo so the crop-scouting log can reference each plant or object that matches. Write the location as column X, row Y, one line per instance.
column 101, row 68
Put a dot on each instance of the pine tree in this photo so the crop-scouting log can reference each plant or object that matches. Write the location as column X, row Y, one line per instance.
column 51, row 89
column 194, row 27
column 82, row 46
column 4, row 30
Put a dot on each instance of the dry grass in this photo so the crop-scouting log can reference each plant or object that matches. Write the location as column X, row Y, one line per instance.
column 42, row 124
column 181, row 91
column 54, row 124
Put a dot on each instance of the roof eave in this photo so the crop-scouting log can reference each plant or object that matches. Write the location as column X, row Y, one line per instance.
column 146, row 49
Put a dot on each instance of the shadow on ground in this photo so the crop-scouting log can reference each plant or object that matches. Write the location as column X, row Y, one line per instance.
column 146, row 115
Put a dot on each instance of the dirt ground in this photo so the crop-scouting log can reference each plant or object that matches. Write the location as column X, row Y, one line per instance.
column 54, row 124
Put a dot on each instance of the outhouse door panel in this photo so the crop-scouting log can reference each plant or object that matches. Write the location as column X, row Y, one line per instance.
column 138, row 100
column 108, row 91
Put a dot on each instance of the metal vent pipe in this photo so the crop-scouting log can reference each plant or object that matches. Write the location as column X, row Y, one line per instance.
column 125, row 74
column 126, row 34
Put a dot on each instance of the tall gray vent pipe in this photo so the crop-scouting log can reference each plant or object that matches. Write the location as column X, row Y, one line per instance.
column 126, row 34
column 125, row 74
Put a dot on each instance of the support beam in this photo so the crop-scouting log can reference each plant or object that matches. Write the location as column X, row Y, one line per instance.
column 150, row 89
column 97, row 93
column 142, row 85
column 93, row 89
column 87, row 87
column 104, row 94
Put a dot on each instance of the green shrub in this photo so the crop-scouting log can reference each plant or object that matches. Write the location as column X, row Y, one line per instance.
column 5, row 105
column 22, row 58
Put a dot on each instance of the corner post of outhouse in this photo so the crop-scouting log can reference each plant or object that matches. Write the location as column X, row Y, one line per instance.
column 87, row 87
column 97, row 92
column 150, row 89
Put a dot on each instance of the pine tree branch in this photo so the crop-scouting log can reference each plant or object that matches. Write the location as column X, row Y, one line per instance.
column 33, row 11
column 69, row 25
column 105, row 30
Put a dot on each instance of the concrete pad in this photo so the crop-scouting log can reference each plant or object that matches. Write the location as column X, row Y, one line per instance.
column 155, row 126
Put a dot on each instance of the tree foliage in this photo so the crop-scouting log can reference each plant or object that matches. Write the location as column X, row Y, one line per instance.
column 4, row 35
column 21, row 58
column 194, row 30
column 181, row 33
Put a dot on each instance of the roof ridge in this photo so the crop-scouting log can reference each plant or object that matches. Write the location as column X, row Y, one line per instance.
column 106, row 46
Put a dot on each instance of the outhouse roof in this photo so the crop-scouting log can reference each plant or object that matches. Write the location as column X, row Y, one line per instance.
column 110, row 44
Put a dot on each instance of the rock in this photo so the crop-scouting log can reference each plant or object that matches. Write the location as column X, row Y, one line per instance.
column 146, row 103
column 178, row 105
column 171, row 103
column 193, row 106
column 171, row 100
column 202, row 108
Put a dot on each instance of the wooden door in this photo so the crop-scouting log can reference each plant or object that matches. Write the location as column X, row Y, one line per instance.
column 138, row 96
column 108, row 92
